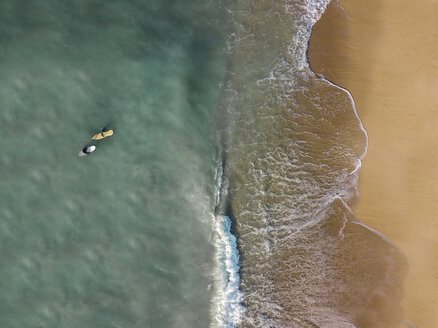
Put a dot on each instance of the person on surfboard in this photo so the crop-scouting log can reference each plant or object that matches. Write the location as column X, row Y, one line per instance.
column 87, row 150
column 103, row 134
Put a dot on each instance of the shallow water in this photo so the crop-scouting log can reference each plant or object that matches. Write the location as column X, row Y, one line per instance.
column 121, row 237
column 294, row 148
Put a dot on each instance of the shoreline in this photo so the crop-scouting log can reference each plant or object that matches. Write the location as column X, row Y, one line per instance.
column 373, row 50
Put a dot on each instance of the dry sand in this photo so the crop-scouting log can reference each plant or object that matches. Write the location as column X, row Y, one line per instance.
column 386, row 53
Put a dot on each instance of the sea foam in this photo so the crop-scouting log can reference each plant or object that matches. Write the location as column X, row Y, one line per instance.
column 227, row 307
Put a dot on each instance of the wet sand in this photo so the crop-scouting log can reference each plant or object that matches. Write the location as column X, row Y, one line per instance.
column 386, row 54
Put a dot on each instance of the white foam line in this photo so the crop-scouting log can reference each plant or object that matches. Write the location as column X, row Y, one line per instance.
column 355, row 113
column 228, row 309
column 350, row 210
column 381, row 235
column 350, row 96
column 341, row 231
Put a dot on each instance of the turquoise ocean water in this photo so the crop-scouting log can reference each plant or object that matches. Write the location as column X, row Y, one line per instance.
column 124, row 237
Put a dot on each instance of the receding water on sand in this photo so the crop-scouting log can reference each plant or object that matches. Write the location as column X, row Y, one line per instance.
column 294, row 147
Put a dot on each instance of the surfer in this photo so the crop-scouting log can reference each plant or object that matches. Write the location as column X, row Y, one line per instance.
column 103, row 134
column 87, row 150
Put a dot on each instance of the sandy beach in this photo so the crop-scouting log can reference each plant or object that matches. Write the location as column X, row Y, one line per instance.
column 386, row 54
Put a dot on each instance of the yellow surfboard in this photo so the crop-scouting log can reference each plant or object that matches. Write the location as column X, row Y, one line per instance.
column 102, row 135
